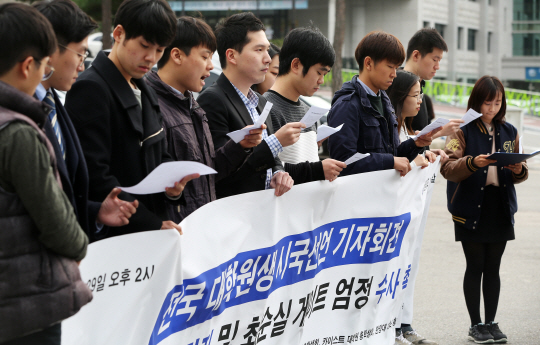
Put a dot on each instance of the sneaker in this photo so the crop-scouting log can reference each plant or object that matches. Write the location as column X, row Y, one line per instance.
column 480, row 334
column 417, row 339
column 498, row 336
column 400, row 340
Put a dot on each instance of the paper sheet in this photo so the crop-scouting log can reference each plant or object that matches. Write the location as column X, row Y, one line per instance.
column 325, row 131
column 435, row 124
column 521, row 144
column 166, row 174
column 239, row 135
column 356, row 157
column 313, row 114
column 469, row 116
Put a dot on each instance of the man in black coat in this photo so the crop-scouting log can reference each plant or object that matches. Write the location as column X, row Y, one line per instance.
column 117, row 115
column 72, row 27
column 231, row 105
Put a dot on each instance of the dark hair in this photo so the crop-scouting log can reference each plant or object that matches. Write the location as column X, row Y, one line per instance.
column 69, row 22
column 308, row 45
column 232, row 33
column 486, row 89
column 379, row 45
column 23, row 32
column 398, row 93
column 190, row 32
column 154, row 20
column 274, row 50
column 425, row 40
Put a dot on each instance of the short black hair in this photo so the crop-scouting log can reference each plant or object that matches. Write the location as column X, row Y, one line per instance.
column 154, row 20
column 398, row 93
column 425, row 40
column 69, row 22
column 190, row 32
column 232, row 33
column 23, row 32
column 274, row 50
column 486, row 90
column 379, row 45
column 309, row 45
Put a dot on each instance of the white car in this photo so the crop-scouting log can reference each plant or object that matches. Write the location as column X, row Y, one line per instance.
column 95, row 44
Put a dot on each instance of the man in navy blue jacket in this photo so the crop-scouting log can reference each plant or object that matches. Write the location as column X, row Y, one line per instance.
column 365, row 109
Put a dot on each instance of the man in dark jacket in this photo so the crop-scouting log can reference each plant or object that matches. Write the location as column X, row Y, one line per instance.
column 365, row 109
column 117, row 115
column 72, row 27
column 182, row 69
column 40, row 239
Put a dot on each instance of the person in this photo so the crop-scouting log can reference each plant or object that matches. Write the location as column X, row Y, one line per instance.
column 117, row 115
column 230, row 105
column 424, row 54
column 406, row 98
column 482, row 201
column 182, row 69
column 273, row 70
column 41, row 241
column 365, row 109
column 72, row 27
column 301, row 73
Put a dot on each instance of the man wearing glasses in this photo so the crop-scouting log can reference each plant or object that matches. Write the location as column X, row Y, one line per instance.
column 72, row 27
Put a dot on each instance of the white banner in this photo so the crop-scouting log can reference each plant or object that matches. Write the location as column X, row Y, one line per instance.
column 326, row 263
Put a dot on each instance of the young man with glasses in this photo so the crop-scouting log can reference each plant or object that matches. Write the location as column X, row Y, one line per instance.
column 72, row 27
column 40, row 238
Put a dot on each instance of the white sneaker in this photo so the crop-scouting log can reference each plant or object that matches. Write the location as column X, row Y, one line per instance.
column 417, row 339
column 400, row 340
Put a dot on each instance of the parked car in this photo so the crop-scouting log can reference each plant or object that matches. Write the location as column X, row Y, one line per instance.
column 95, row 44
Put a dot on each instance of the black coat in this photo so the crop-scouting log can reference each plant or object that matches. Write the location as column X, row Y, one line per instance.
column 122, row 143
column 73, row 171
column 226, row 113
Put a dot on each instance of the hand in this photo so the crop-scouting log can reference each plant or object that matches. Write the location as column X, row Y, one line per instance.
column 319, row 143
column 169, row 224
column 332, row 168
column 516, row 168
column 481, row 161
column 281, row 182
column 402, row 165
column 450, row 128
column 425, row 140
column 116, row 212
column 421, row 161
column 439, row 152
column 290, row 133
column 254, row 137
column 179, row 186
column 430, row 156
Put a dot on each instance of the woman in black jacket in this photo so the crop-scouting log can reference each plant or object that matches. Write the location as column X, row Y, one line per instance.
column 482, row 200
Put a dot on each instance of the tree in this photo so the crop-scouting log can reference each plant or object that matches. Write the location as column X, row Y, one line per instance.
column 106, row 23
column 339, row 37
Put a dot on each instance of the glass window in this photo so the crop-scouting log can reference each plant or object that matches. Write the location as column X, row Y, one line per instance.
column 459, row 38
column 471, row 39
column 489, row 40
column 526, row 9
column 526, row 44
column 440, row 28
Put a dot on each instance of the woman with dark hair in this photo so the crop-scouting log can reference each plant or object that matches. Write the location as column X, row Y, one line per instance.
column 272, row 73
column 482, row 201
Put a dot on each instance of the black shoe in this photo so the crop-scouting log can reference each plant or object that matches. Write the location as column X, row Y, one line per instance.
column 498, row 336
column 480, row 334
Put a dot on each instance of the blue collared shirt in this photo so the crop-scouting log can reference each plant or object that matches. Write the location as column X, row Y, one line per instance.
column 40, row 92
column 368, row 90
column 251, row 102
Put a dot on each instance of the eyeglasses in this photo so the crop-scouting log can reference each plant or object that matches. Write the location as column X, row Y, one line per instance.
column 48, row 74
column 81, row 56
column 418, row 97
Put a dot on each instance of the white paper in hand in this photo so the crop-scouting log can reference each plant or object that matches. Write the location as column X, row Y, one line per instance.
column 434, row 125
column 356, row 157
column 325, row 131
column 313, row 114
column 469, row 116
column 521, row 144
column 239, row 135
column 166, row 174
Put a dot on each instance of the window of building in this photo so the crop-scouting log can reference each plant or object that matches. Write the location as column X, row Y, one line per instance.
column 426, row 24
column 489, row 40
column 471, row 39
column 459, row 38
column 440, row 28
column 527, row 10
column 526, row 44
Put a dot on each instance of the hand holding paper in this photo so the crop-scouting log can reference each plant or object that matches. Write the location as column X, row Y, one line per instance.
column 356, row 157
column 325, row 131
column 434, row 125
column 238, row 135
column 166, row 175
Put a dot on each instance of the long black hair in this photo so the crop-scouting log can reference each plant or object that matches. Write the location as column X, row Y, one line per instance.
column 398, row 93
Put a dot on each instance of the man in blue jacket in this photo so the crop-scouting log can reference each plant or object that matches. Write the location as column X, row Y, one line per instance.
column 365, row 109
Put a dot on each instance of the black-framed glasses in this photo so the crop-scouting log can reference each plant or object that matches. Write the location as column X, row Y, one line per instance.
column 49, row 73
column 81, row 56
column 418, row 97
